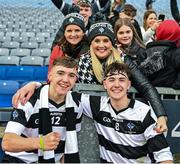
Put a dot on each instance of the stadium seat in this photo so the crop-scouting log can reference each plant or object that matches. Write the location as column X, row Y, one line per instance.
column 27, row 34
column 28, row 27
column 45, row 45
column 2, row 34
column 35, row 30
column 40, row 74
column 4, row 51
column 44, row 52
column 20, row 73
column 46, row 63
column 12, row 34
column 9, row 60
column 5, row 39
column 3, row 73
column 20, row 52
column 30, row 45
column 43, row 34
column 37, row 39
column 7, row 90
column 20, row 39
column 32, row 60
column 9, row 44
column 39, row 26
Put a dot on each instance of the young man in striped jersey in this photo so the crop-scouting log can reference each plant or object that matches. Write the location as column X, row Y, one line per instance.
column 37, row 131
column 125, row 126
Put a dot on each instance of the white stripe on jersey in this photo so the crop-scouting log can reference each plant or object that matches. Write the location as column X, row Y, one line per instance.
column 113, row 142
column 123, row 139
column 163, row 155
column 14, row 127
column 130, row 114
column 29, row 110
column 28, row 158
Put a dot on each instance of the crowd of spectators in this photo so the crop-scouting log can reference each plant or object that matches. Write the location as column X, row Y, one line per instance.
column 98, row 33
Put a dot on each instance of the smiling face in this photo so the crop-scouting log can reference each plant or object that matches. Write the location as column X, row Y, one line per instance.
column 73, row 34
column 125, row 35
column 117, row 86
column 101, row 46
column 86, row 12
column 62, row 80
column 151, row 19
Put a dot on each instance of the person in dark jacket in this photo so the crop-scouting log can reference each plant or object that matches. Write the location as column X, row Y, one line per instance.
column 167, row 44
column 83, row 7
column 128, row 41
column 167, row 36
column 175, row 11
column 102, row 53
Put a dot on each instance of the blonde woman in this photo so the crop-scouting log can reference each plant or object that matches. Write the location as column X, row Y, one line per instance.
column 92, row 66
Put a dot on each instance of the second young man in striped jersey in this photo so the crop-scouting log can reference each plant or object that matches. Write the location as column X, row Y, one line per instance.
column 125, row 127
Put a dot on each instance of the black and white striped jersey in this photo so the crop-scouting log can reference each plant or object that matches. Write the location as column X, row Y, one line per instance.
column 25, row 122
column 128, row 135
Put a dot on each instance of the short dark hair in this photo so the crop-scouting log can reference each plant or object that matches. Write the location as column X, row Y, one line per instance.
column 65, row 61
column 117, row 67
column 129, row 10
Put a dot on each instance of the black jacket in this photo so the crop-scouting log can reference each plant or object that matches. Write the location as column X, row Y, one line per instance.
column 135, row 52
column 166, row 76
column 145, row 88
column 139, row 81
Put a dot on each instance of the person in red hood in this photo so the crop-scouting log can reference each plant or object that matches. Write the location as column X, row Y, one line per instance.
column 167, row 48
column 169, row 30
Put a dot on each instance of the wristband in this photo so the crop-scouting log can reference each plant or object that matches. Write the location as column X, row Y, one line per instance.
column 41, row 142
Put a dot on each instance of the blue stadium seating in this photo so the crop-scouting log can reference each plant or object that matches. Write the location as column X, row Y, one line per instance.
column 19, row 73
column 7, row 90
column 23, row 74
column 40, row 73
column 2, row 73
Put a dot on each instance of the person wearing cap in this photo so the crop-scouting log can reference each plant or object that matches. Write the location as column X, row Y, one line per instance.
column 73, row 43
column 102, row 53
column 82, row 7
